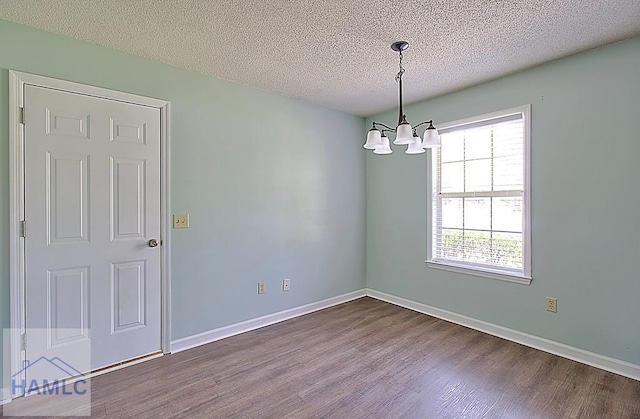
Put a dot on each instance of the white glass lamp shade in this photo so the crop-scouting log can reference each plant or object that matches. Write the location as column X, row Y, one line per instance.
column 431, row 138
column 384, row 149
column 416, row 146
column 404, row 134
column 373, row 139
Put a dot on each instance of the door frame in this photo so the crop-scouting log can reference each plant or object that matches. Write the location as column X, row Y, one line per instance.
column 17, row 81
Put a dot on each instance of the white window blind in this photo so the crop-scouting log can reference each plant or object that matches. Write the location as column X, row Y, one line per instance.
column 480, row 195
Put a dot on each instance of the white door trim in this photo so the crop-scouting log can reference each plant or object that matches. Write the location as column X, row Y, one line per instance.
column 17, row 80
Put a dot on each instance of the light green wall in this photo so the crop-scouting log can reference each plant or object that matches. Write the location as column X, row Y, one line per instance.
column 271, row 195
column 585, row 206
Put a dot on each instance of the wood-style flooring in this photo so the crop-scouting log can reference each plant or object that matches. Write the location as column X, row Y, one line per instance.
column 363, row 359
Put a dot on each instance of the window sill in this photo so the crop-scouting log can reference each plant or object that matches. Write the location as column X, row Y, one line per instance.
column 518, row 279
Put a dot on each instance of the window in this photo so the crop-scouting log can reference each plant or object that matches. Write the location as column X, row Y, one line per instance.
column 480, row 197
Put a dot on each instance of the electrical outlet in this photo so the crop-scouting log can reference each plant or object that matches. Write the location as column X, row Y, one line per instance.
column 262, row 287
column 552, row 304
column 180, row 220
column 286, row 284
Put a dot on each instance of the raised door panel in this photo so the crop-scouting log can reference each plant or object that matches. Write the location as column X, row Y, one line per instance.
column 66, row 124
column 67, row 206
column 129, row 132
column 129, row 282
column 69, row 305
column 127, row 198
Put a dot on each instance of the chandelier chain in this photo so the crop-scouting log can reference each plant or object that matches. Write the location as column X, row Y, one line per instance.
column 401, row 72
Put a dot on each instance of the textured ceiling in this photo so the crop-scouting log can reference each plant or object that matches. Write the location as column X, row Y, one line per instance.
column 336, row 52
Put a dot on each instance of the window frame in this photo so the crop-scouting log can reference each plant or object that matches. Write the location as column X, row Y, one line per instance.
column 483, row 270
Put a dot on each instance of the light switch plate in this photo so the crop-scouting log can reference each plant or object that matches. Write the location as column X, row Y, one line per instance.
column 180, row 220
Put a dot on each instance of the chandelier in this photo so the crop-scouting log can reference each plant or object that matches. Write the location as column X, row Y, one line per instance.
column 377, row 139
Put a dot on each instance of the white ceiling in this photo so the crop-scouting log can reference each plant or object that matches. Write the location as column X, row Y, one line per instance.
column 336, row 52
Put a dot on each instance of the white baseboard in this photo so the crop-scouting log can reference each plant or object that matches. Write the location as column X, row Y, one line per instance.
column 606, row 363
column 237, row 328
column 6, row 395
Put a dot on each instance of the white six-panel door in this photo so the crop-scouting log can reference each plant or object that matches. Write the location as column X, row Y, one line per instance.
column 92, row 206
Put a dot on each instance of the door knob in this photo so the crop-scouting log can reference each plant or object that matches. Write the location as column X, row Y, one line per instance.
column 153, row 243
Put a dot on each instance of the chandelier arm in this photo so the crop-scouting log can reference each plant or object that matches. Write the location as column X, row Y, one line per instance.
column 386, row 126
column 423, row 123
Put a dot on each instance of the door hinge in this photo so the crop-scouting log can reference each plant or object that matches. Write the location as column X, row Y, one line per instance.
column 23, row 228
column 23, row 341
column 22, row 115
